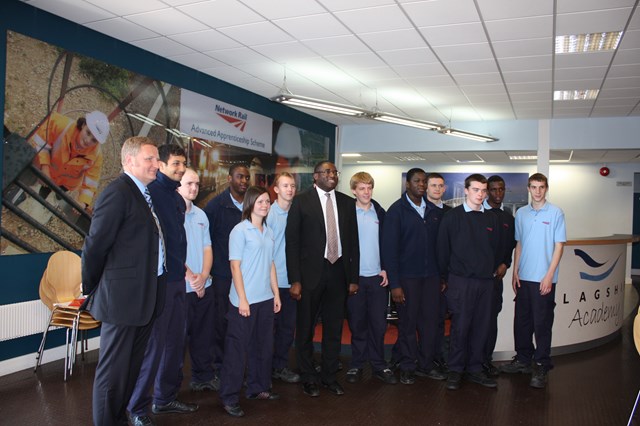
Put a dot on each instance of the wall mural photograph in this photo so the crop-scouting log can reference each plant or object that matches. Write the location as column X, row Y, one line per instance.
column 67, row 115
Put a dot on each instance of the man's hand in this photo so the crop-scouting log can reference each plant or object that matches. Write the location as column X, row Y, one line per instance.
column 353, row 289
column 397, row 294
column 545, row 286
column 296, row 291
column 385, row 280
column 500, row 271
column 515, row 282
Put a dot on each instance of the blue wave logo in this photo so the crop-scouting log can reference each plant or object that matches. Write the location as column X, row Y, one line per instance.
column 589, row 261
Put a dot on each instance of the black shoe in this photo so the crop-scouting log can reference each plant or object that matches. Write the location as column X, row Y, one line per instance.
column 211, row 385
column 174, row 406
column 285, row 375
column 538, row 377
column 334, row 388
column 407, row 377
column 490, row 369
column 234, row 410
column 386, row 376
column 453, row 380
column 481, row 378
column 311, row 389
column 441, row 366
column 393, row 364
column 354, row 375
column 266, row 396
column 431, row 374
column 516, row 366
column 141, row 421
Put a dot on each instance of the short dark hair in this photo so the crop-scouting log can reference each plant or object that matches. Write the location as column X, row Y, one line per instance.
column 494, row 178
column 167, row 150
column 538, row 177
column 249, row 201
column 434, row 175
column 236, row 166
column 317, row 166
column 476, row 177
column 413, row 171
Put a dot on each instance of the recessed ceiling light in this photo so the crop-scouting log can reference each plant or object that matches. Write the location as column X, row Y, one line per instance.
column 368, row 161
column 592, row 42
column 351, row 154
column 523, row 157
column 575, row 95
column 409, row 158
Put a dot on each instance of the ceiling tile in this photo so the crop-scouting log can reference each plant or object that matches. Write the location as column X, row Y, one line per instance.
column 528, row 87
column 381, row 18
column 336, row 5
column 617, row 83
column 430, row 81
column 206, row 40
column 342, row 45
column 627, row 56
column 504, row 9
column 575, row 60
column 257, row 33
column 443, row 35
column 73, row 10
column 619, row 93
column 577, row 84
column 482, row 65
column 527, row 76
column 285, row 52
column 441, row 12
column 122, row 29
column 521, row 28
column 162, row 46
column 525, row 63
column 529, row 47
column 237, row 56
column 408, row 56
column 221, row 13
column 483, row 89
column 561, row 74
column 630, row 39
column 314, row 26
column 392, row 40
column 371, row 75
column 479, row 78
column 196, row 60
column 518, row 98
column 420, row 70
column 592, row 22
column 357, row 60
column 167, row 21
column 566, row 6
column 464, row 52
column 128, row 7
column 617, row 102
column 284, row 8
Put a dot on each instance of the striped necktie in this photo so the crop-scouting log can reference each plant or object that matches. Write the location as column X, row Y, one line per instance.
column 147, row 196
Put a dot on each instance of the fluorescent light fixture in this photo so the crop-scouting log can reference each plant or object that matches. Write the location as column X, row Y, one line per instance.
column 351, row 154
column 369, row 162
column 575, row 95
column 523, row 157
column 404, row 121
column 592, row 42
column 319, row 104
column 467, row 135
column 409, row 157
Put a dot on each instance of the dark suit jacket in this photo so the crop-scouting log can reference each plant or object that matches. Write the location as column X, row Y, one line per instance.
column 306, row 238
column 120, row 257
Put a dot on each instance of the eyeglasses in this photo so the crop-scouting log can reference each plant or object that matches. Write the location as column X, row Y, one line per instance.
column 328, row 172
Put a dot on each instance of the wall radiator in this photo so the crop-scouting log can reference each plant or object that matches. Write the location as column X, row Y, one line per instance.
column 23, row 319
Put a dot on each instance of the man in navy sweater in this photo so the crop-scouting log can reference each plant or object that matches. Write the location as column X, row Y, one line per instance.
column 224, row 212
column 468, row 241
column 410, row 232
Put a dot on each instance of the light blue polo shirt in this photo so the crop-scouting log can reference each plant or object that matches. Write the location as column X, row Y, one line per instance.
column 277, row 221
column 196, row 226
column 538, row 231
column 419, row 209
column 368, row 234
column 254, row 250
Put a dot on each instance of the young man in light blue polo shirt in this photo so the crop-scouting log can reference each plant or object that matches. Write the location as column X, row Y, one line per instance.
column 200, row 314
column 285, row 321
column 367, row 308
column 540, row 235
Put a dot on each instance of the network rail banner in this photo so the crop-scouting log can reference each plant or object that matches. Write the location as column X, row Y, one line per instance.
column 210, row 119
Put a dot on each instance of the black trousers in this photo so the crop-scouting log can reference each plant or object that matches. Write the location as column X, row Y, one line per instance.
column 328, row 297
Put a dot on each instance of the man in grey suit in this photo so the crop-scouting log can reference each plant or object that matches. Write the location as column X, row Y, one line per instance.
column 125, row 288
column 323, row 264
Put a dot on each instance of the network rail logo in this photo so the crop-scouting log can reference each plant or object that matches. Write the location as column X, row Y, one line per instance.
column 236, row 118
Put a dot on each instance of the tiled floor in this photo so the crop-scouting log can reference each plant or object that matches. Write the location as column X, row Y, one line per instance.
column 594, row 387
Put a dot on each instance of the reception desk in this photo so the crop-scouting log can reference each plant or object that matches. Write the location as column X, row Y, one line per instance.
column 589, row 296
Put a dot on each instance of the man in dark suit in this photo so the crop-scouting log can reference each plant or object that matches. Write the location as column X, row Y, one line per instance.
column 323, row 260
column 125, row 289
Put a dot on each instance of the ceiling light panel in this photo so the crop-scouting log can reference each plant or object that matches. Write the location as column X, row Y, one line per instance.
column 592, row 42
column 575, row 95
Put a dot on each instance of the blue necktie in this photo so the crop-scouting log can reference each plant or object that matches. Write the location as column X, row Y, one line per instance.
column 147, row 196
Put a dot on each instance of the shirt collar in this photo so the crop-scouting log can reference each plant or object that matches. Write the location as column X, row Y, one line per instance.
column 135, row 180
column 487, row 206
column 469, row 209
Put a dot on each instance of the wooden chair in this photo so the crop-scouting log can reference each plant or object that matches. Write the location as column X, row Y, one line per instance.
column 60, row 289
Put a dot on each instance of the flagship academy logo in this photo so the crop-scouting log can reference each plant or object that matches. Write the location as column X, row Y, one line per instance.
column 236, row 118
column 596, row 266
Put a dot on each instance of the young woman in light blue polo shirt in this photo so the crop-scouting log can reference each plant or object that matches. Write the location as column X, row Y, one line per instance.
column 254, row 298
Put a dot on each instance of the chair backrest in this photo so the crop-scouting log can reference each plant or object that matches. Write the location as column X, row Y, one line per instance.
column 61, row 281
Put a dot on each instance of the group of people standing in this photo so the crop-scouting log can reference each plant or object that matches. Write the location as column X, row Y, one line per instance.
column 240, row 280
